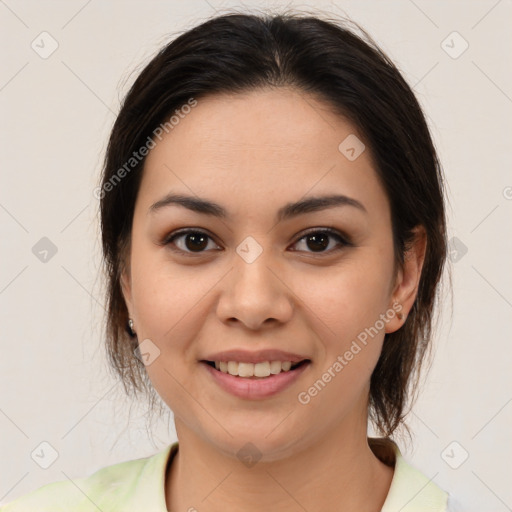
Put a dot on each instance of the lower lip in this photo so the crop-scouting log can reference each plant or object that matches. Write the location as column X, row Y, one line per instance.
column 255, row 389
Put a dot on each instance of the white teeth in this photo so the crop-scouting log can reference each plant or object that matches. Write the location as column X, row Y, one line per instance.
column 263, row 369
column 286, row 366
column 245, row 369
column 275, row 367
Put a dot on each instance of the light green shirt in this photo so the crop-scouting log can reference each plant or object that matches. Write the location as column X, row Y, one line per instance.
column 139, row 486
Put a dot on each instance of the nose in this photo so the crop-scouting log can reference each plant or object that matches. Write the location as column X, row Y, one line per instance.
column 255, row 294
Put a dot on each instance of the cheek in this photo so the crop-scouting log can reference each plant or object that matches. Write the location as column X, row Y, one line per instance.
column 344, row 310
column 347, row 299
column 167, row 304
column 165, row 310
column 162, row 292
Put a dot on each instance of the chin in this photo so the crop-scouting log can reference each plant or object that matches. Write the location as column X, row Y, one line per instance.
column 257, row 444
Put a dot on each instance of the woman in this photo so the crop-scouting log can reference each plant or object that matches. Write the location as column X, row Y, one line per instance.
column 274, row 234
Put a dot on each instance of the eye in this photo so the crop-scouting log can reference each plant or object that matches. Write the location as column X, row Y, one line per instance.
column 192, row 241
column 318, row 240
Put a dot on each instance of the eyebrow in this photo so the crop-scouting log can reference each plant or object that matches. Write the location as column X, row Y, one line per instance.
column 288, row 211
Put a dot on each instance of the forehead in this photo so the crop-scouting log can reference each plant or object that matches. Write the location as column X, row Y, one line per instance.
column 257, row 147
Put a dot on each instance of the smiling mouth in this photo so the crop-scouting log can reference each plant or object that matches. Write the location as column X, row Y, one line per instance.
column 248, row 371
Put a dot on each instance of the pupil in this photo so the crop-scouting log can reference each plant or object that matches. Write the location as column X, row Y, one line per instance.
column 199, row 241
column 321, row 240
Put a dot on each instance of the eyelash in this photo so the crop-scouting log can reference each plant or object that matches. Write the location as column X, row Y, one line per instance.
column 341, row 239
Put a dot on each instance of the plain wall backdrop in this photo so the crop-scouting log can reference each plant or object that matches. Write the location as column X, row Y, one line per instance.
column 65, row 67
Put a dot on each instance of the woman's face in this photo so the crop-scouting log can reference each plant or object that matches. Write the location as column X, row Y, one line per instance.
column 254, row 279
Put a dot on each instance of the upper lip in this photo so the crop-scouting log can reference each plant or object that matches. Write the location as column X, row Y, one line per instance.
column 259, row 356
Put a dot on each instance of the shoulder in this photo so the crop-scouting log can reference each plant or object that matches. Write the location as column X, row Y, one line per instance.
column 106, row 489
column 410, row 490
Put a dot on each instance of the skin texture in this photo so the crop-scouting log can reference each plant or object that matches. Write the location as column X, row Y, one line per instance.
column 252, row 153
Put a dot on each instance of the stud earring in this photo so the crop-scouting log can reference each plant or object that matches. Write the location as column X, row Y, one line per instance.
column 130, row 327
column 399, row 314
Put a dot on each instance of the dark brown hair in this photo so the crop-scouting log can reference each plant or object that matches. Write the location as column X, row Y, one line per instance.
column 235, row 53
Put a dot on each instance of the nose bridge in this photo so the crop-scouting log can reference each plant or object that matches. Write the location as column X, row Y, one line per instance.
column 252, row 273
column 254, row 292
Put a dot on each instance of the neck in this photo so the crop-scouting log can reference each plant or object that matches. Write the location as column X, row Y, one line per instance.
column 336, row 472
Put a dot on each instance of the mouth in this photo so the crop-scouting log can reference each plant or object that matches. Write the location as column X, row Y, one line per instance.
column 255, row 381
column 257, row 370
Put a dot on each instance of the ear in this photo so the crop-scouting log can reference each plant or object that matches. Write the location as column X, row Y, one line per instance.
column 126, row 288
column 408, row 279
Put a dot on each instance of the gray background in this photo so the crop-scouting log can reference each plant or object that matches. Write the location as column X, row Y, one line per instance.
column 56, row 112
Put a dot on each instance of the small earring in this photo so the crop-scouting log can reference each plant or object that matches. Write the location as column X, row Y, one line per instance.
column 130, row 326
column 400, row 316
